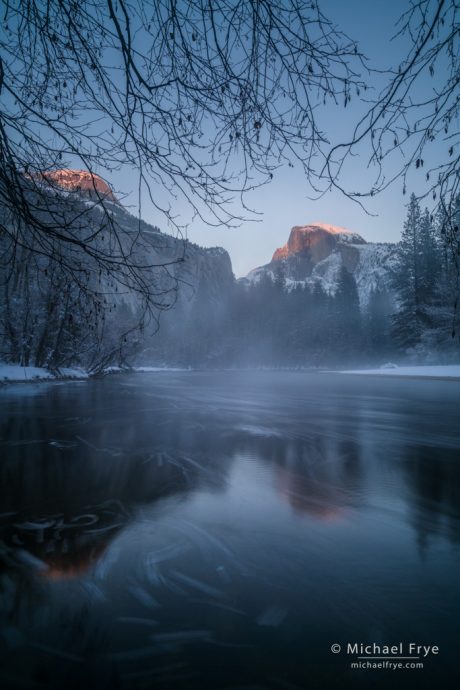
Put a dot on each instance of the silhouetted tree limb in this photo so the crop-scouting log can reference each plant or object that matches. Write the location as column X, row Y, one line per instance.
column 204, row 99
column 413, row 124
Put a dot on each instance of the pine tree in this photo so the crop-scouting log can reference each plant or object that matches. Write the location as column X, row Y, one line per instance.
column 347, row 328
column 430, row 266
column 319, row 324
column 378, row 319
column 443, row 336
column 423, row 279
column 406, row 323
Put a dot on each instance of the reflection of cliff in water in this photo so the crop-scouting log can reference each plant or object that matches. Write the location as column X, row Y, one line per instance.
column 155, row 528
column 433, row 483
column 323, row 476
column 59, row 546
column 64, row 501
column 71, row 483
column 69, row 514
column 317, row 485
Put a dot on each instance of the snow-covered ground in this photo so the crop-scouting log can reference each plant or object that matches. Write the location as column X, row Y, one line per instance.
column 15, row 372
column 426, row 371
column 140, row 370
column 146, row 370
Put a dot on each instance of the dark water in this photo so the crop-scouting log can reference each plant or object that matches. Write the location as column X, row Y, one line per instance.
column 223, row 530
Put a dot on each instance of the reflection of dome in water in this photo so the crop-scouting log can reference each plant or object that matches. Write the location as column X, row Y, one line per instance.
column 60, row 548
column 79, row 559
column 309, row 497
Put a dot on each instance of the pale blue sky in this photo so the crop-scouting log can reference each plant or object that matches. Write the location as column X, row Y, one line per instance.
column 285, row 202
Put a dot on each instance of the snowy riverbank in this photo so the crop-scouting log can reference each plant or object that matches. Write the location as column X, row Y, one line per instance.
column 15, row 373
column 442, row 371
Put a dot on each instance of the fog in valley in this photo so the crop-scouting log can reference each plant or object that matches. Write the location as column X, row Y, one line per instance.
column 327, row 299
column 229, row 345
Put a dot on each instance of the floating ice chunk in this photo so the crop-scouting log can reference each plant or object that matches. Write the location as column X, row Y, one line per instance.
column 84, row 520
column 262, row 431
column 28, row 559
column 101, row 530
column 62, row 444
column 218, row 544
column 94, row 592
column 143, row 597
column 272, row 617
column 42, row 524
column 223, row 574
column 105, row 564
column 113, row 452
column 166, row 553
column 218, row 605
column 153, row 574
column 199, row 585
column 173, row 587
column 195, row 463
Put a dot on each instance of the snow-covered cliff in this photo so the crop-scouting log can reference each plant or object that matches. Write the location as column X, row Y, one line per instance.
column 315, row 252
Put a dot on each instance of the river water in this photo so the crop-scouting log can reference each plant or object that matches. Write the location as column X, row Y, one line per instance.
column 212, row 530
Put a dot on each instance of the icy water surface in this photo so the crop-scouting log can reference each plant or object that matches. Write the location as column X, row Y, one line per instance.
column 223, row 530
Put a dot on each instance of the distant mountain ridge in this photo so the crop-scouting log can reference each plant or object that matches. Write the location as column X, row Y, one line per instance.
column 315, row 252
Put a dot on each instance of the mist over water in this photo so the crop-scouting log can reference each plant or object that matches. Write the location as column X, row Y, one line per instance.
column 222, row 530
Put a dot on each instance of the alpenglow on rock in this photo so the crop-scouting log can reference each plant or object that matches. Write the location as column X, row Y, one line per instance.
column 315, row 252
column 98, row 288
column 82, row 182
column 317, row 239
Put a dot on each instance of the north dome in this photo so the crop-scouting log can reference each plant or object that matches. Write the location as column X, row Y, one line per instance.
column 89, row 184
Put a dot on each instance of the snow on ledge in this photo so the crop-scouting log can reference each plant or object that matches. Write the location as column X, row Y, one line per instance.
column 446, row 371
column 15, row 372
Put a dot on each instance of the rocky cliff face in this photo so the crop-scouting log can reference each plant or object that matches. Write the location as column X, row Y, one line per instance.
column 82, row 182
column 315, row 252
column 88, row 295
column 174, row 267
column 187, row 265
column 210, row 265
column 187, row 262
column 316, row 240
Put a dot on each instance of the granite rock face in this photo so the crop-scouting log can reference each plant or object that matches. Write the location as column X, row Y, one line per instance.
column 84, row 183
column 315, row 252
column 317, row 240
